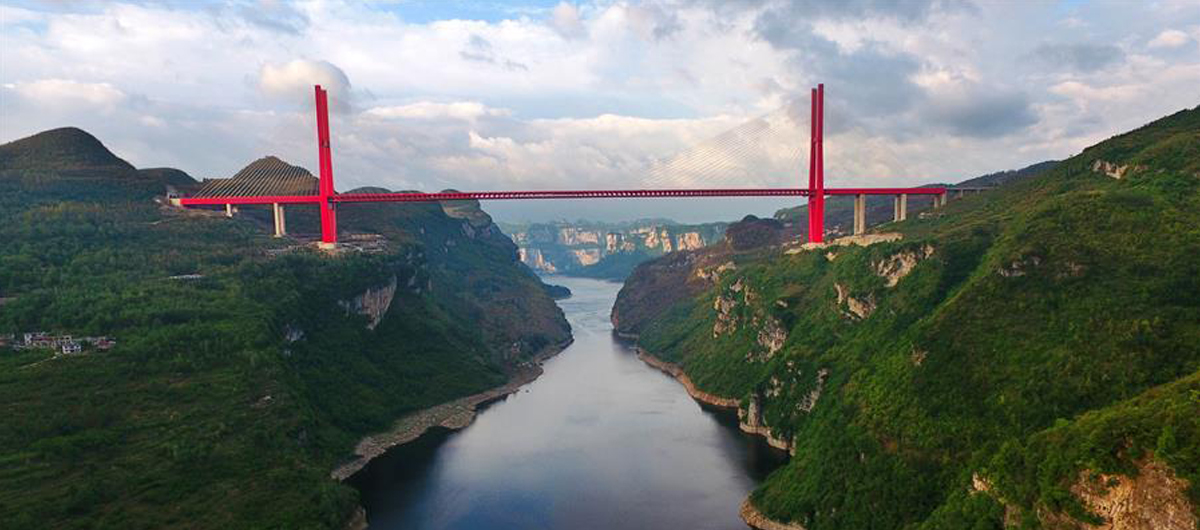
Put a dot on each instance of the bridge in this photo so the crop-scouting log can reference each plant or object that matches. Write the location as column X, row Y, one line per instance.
column 278, row 184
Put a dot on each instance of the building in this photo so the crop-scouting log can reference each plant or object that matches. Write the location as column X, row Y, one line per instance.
column 71, row 347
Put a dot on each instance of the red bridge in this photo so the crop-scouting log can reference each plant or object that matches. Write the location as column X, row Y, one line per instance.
column 279, row 186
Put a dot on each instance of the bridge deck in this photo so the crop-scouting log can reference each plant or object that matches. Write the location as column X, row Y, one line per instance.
column 554, row 194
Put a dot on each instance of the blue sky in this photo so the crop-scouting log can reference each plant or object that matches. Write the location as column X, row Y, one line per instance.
column 551, row 95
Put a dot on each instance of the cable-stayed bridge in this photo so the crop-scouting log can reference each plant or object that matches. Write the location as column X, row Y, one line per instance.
column 720, row 159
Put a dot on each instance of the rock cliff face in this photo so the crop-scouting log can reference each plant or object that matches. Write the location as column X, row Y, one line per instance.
column 656, row 285
column 1153, row 499
column 605, row 250
column 372, row 303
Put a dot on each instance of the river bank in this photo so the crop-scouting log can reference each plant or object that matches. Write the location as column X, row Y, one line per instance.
column 676, row 371
column 748, row 512
column 451, row 415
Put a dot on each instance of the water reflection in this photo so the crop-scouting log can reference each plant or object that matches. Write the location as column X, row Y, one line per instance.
column 599, row 441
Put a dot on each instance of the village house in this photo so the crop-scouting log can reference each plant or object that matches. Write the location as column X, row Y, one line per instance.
column 64, row 343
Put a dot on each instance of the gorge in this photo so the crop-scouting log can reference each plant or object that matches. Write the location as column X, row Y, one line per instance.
column 600, row 440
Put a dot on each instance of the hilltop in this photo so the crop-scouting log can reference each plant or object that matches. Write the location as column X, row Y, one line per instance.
column 1024, row 357
column 64, row 149
column 69, row 163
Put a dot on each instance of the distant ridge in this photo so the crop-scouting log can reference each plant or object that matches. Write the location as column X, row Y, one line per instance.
column 170, row 176
column 1001, row 178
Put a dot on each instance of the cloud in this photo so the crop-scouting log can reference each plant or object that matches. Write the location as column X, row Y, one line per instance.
column 589, row 93
column 463, row 110
column 478, row 49
column 294, row 81
column 274, row 15
column 1080, row 57
column 1171, row 38
column 564, row 18
column 65, row 93
column 983, row 113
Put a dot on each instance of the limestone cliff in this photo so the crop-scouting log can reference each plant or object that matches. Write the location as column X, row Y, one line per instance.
column 372, row 303
column 605, row 250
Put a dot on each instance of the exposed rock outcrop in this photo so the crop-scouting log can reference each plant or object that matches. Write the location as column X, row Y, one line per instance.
column 1154, row 499
column 863, row 240
column 1113, row 170
column 750, row 419
column 856, row 308
column 1019, row 267
column 757, row 520
column 899, row 265
column 372, row 303
column 689, row 241
column 771, row 335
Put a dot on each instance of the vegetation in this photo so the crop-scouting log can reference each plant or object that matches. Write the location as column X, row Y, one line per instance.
column 1046, row 329
column 230, row 397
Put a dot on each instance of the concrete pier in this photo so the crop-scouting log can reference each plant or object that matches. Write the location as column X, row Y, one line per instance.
column 860, row 214
column 280, row 220
column 900, row 207
column 230, row 210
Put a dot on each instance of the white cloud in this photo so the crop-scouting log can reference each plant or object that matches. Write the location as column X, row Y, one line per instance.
column 1171, row 38
column 73, row 94
column 294, row 80
column 461, row 110
column 565, row 20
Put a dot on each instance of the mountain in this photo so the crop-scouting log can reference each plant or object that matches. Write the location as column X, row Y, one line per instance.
column 605, row 250
column 65, row 149
column 246, row 368
column 70, row 163
column 1026, row 357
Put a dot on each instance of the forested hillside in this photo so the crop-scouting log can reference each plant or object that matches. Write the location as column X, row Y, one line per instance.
column 245, row 367
column 1025, row 357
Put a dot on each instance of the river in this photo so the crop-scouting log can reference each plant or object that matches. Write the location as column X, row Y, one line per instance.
column 599, row 441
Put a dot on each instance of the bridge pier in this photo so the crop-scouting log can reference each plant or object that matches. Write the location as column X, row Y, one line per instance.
column 860, row 214
column 280, row 220
column 230, row 210
column 900, row 207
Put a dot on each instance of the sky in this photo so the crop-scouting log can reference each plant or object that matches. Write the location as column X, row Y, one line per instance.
column 496, row 95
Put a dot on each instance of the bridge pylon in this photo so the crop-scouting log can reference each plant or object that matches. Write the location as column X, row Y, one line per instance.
column 816, row 167
column 325, row 189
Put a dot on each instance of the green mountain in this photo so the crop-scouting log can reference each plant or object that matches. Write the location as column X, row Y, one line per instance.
column 246, row 367
column 1025, row 357
column 64, row 151
column 71, row 164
